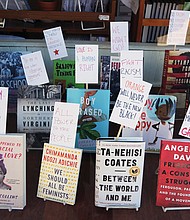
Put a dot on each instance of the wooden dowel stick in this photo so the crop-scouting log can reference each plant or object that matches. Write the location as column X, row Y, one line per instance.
column 119, row 132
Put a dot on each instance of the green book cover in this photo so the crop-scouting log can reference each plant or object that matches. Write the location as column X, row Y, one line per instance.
column 64, row 75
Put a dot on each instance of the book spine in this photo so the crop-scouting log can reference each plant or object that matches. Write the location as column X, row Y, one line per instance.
column 97, row 176
column 165, row 67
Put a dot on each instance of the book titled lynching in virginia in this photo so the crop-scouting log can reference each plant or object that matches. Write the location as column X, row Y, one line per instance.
column 93, row 120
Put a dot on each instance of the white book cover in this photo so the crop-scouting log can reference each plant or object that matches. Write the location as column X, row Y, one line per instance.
column 119, row 172
column 3, row 109
column 59, row 174
column 12, row 171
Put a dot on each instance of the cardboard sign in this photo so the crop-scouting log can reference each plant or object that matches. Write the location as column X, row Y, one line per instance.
column 119, row 36
column 86, row 63
column 59, row 174
column 185, row 127
column 130, row 102
column 3, row 109
column 55, row 43
column 119, row 173
column 34, row 68
column 64, row 124
column 173, row 187
column 131, row 65
column 178, row 25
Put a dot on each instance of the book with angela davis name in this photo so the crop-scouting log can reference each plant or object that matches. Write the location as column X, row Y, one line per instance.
column 59, row 174
column 35, row 107
column 119, row 172
column 173, row 184
column 93, row 120
column 12, row 171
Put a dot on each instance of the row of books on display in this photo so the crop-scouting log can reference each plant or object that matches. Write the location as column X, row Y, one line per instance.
column 158, row 10
column 118, row 173
column 35, row 104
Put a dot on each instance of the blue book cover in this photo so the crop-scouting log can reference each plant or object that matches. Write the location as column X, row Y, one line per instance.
column 93, row 121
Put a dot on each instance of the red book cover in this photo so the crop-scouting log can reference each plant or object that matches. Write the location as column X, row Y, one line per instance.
column 173, row 186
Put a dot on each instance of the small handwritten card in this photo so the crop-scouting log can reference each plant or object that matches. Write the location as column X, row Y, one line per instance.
column 130, row 102
column 34, row 68
column 178, row 25
column 119, row 36
column 131, row 65
column 64, row 124
column 86, row 64
column 185, row 127
column 3, row 109
column 55, row 43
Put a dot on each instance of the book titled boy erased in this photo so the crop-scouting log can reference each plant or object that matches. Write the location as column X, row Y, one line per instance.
column 156, row 121
column 12, row 171
column 93, row 121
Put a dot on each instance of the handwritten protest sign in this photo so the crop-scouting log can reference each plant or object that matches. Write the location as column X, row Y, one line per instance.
column 119, row 173
column 185, row 127
column 3, row 109
column 178, row 25
column 59, row 174
column 55, row 43
column 131, row 65
column 34, row 68
column 130, row 102
column 86, row 64
column 64, row 124
column 119, row 36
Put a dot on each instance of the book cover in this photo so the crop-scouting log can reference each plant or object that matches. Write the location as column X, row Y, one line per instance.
column 35, row 107
column 11, row 76
column 119, row 173
column 176, row 78
column 114, row 77
column 64, row 75
column 12, row 171
column 59, row 174
column 156, row 122
column 173, row 176
column 105, row 72
column 93, row 120
column 176, row 71
column 3, row 109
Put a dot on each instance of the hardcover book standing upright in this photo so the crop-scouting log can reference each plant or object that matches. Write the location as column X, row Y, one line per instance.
column 59, row 174
column 156, row 122
column 93, row 121
column 174, row 175
column 64, row 75
column 35, row 110
column 12, row 171
column 119, row 173
column 176, row 77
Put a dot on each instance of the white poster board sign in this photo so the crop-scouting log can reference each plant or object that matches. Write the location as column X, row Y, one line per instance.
column 185, row 127
column 119, row 36
column 131, row 65
column 130, row 102
column 119, row 173
column 55, row 43
column 64, row 124
column 3, row 109
column 86, row 64
column 178, row 25
column 34, row 68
